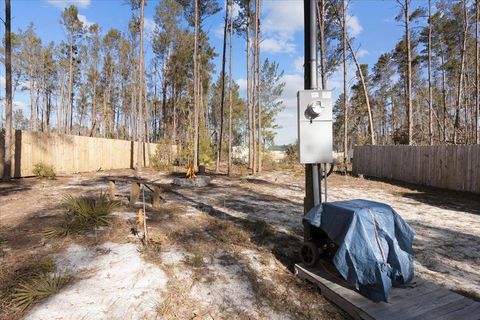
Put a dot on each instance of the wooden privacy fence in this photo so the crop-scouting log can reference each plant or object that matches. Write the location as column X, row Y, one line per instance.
column 70, row 154
column 454, row 167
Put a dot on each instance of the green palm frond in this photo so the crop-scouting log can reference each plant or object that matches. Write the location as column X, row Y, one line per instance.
column 38, row 288
column 57, row 232
column 83, row 213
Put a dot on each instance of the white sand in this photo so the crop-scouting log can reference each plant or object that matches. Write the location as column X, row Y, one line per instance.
column 112, row 282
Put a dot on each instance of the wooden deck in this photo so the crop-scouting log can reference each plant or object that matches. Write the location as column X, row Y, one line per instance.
column 423, row 300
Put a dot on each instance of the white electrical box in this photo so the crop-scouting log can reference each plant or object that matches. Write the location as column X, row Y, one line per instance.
column 315, row 132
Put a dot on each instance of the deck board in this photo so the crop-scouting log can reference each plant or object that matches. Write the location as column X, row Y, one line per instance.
column 421, row 300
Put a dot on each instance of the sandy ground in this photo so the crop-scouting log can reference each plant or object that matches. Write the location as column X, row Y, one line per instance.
column 106, row 286
column 210, row 258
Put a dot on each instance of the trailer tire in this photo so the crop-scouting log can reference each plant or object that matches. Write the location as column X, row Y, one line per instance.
column 309, row 254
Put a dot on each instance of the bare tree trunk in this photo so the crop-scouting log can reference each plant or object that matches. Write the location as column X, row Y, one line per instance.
column 444, row 98
column 140, row 152
column 33, row 113
column 466, row 101
column 257, row 45
column 249, row 91
column 147, row 126
column 60, row 108
column 360, row 72
column 254, row 95
column 222, row 102
column 174, row 133
column 68, row 126
column 321, row 12
column 394, row 118
column 94, row 107
column 409, row 73
column 133, row 126
column 164, row 92
column 195, row 91
column 477, row 72
column 456, row 126
column 7, row 161
column 345, row 93
column 430, row 89
column 230, row 92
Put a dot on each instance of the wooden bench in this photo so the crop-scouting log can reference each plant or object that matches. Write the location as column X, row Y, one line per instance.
column 136, row 183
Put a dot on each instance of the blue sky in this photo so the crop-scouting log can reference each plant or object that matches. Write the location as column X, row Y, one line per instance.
column 371, row 22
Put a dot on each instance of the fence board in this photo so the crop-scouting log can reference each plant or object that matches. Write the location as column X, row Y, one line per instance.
column 454, row 167
column 70, row 154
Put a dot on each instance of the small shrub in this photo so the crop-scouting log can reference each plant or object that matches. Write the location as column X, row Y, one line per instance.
column 83, row 213
column 196, row 260
column 43, row 170
column 206, row 154
column 58, row 232
column 285, row 166
column 291, row 153
column 161, row 159
column 89, row 211
column 34, row 280
column 38, row 288
column 152, row 253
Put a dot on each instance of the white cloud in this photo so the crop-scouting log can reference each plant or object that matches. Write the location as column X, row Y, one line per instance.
column 20, row 105
column 362, row 53
column 280, row 24
column 335, row 81
column 287, row 118
column 218, row 31
column 242, row 87
column 86, row 22
column 353, row 26
column 149, row 26
column 280, row 45
column 236, row 10
column 65, row 3
column 16, row 105
column 298, row 64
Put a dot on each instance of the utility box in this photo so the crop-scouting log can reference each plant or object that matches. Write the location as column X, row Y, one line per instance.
column 315, row 132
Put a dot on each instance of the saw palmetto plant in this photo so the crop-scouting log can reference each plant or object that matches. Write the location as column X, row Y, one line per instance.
column 38, row 288
column 83, row 213
column 89, row 211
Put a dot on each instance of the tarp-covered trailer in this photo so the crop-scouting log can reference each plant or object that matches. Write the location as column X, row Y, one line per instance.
column 368, row 242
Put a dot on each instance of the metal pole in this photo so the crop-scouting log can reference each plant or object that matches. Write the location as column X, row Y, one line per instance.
column 325, row 179
column 312, row 188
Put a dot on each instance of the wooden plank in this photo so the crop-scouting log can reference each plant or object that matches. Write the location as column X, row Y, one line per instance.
column 134, row 193
column 446, row 309
column 471, row 312
column 417, row 304
column 156, row 197
column 111, row 190
column 325, row 287
column 420, row 301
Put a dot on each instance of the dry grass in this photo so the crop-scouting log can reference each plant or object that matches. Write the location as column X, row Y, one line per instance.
column 196, row 260
column 25, row 281
column 152, row 253
column 228, row 232
column 174, row 300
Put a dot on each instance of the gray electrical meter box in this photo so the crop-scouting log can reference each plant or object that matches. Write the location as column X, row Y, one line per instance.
column 315, row 132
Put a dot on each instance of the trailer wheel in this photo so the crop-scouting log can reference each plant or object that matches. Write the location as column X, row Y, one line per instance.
column 309, row 253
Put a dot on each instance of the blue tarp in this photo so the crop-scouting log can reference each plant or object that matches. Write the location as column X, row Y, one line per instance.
column 374, row 244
